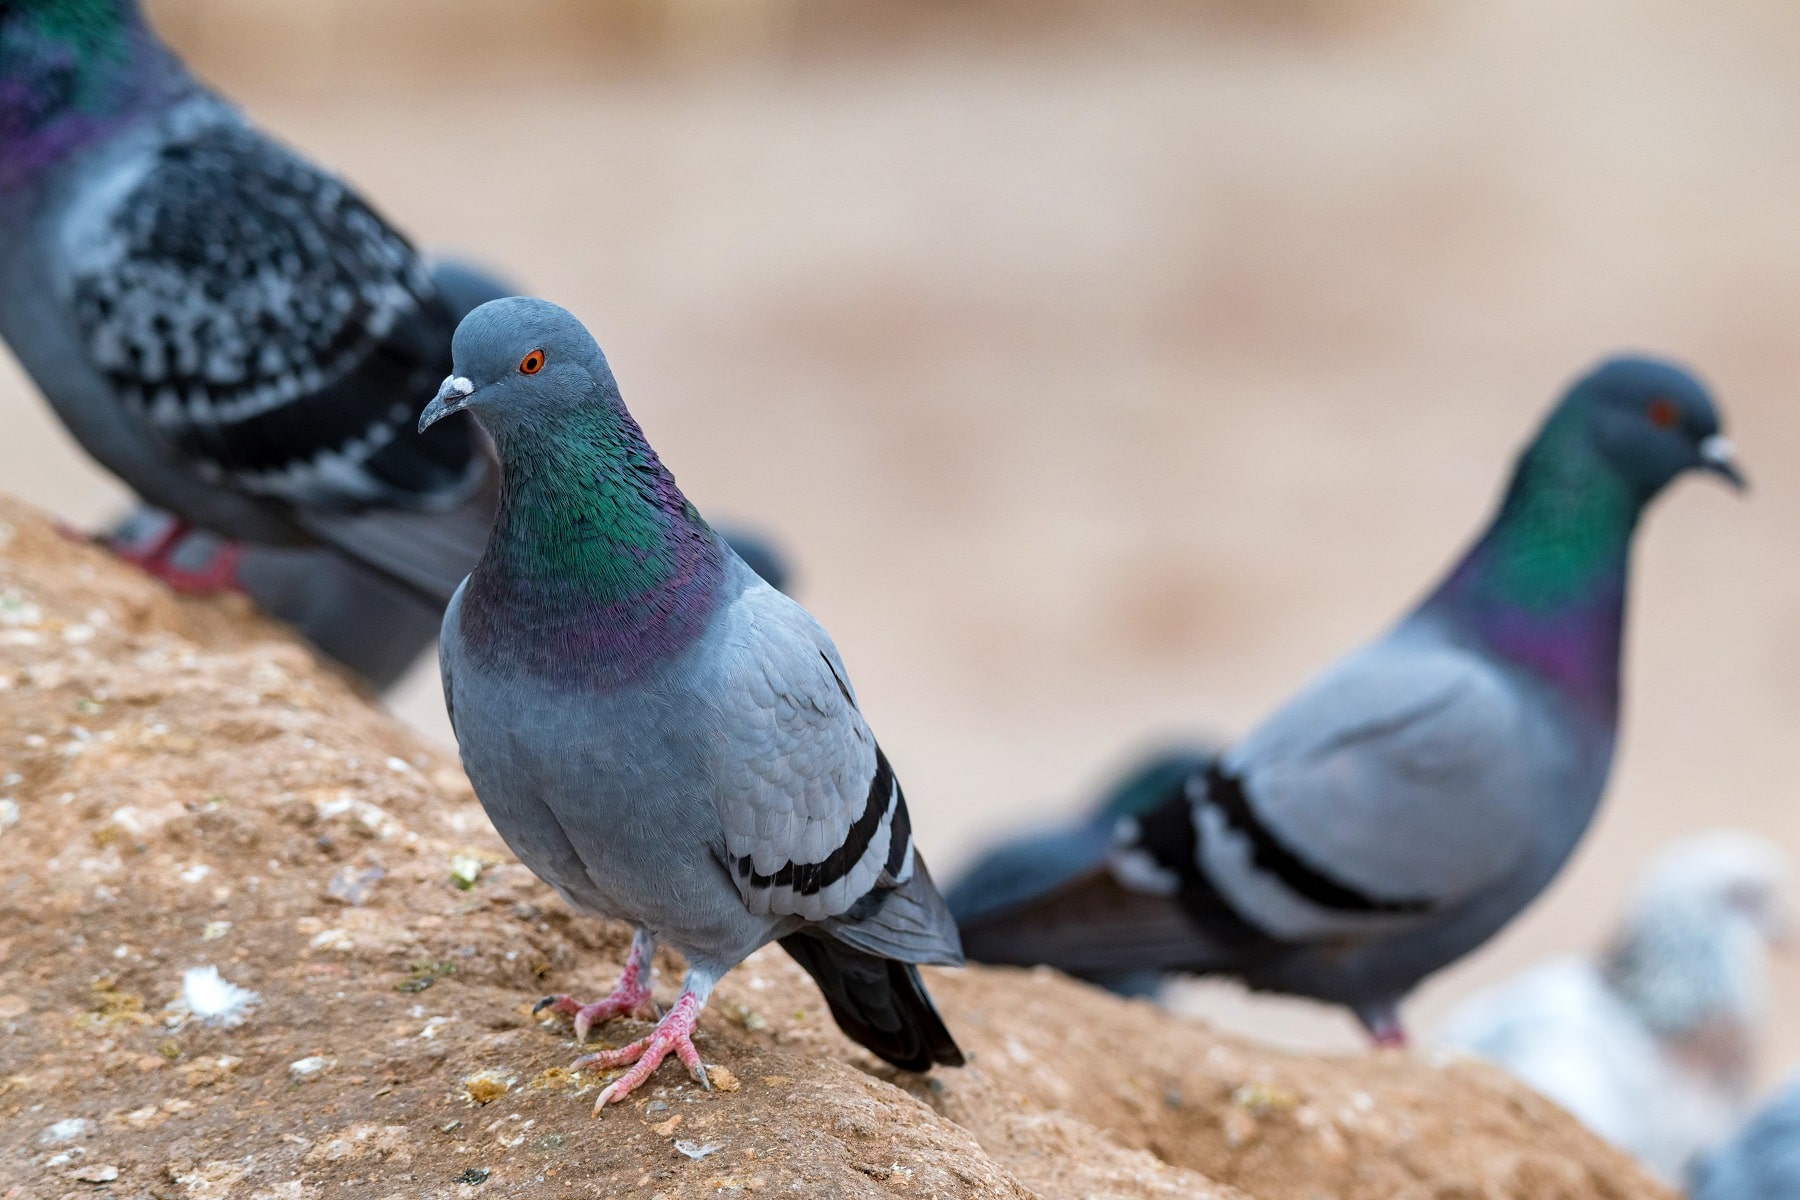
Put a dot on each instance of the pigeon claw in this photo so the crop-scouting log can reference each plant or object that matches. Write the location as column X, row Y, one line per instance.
column 675, row 1032
column 629, row 999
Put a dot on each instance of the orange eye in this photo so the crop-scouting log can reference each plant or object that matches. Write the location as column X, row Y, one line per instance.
column 532, row 363
column 1663, row 413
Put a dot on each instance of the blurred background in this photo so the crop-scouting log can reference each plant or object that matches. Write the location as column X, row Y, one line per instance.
column 1106, row 368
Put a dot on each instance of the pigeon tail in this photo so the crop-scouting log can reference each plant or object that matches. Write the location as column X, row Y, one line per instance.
column 1018, row 871
column 880, row 1003
column 1097, row 929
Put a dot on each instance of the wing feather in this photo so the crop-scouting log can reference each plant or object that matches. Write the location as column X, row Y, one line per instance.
column 267, row 324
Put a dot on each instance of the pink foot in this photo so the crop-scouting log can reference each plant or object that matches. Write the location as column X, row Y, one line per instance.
column 1382, row 1020
column 674, row 1032
column 217, row 573
column 630, row 998
column 152, row 554
column 216, row 570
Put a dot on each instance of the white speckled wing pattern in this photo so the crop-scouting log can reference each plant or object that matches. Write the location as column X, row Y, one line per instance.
column 264, row 321
column 813, row 815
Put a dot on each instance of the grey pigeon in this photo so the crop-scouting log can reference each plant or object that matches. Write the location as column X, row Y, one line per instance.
column 659, row 734
column 1412, row 799
column 1761, row 1163
column 225, row 326
column 1671, row 1008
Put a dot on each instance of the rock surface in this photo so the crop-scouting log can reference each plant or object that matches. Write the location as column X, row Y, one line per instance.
column 182, row 787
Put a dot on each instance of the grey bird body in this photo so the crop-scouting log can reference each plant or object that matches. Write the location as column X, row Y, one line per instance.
column 620, row 799
column 1416, row 796
column 1431, row 777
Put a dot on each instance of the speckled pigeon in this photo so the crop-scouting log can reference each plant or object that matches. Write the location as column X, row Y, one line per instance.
column 1762, row 1162
column 228, row 328
column 660, row 735
column 1412, row 799
column 1672, row 1007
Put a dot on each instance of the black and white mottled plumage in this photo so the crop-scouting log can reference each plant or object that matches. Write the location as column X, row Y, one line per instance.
column 269, row 325
column 239, row 336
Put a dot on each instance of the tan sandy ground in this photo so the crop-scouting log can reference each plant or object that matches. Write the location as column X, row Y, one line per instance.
column 184, row 788
column 1108, row 382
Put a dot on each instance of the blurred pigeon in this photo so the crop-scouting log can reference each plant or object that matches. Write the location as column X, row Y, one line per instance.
column 1015, row 871
column 225, row 326
column 1761, row 1163
column 659, row 734
column 1672, row 1008
column 1412, row 799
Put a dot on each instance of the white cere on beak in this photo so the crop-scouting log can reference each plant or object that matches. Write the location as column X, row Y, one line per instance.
column 457, row 385
column 1718, row 451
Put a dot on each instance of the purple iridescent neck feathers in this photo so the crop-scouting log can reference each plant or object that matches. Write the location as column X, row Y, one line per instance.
column 71, row 73
column 598, row 568
column 1544, row 586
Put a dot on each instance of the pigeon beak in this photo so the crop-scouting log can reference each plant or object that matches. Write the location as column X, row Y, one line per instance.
column 1719, row 456
column 453, row 396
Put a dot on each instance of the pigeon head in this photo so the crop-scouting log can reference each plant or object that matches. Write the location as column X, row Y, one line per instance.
column 1689, row 958
column 521, row 363
column 1651, row 421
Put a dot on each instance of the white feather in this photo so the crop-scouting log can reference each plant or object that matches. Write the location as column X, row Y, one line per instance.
column 213, row 999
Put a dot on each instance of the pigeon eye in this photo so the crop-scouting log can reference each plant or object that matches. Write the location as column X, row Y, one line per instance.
column 532, row 363
column 1662, row 413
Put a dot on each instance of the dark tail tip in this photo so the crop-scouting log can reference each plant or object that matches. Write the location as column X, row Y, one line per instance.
column 879, row 1002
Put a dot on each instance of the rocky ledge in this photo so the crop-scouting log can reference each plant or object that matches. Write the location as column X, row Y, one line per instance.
column 182, row 787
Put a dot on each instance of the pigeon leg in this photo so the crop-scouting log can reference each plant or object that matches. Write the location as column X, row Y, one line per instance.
column 152, row 554
column 675, row 1032
column 216, row 572
column 1383, row 1023
column 630, row 998
column 192, row 562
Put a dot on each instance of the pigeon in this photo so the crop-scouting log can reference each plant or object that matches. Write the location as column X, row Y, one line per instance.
column 228, row 328
column 1412, row 799
column 1014, row 871
column 659, row 734
column 1671, row 1008
column 1762, row 1162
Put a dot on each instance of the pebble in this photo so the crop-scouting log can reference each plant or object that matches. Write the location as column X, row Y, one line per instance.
column 354, row 886
column 306, row 1068
column 67, row 1130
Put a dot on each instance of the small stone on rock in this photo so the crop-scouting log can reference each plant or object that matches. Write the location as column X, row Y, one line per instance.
column 306, row 1068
